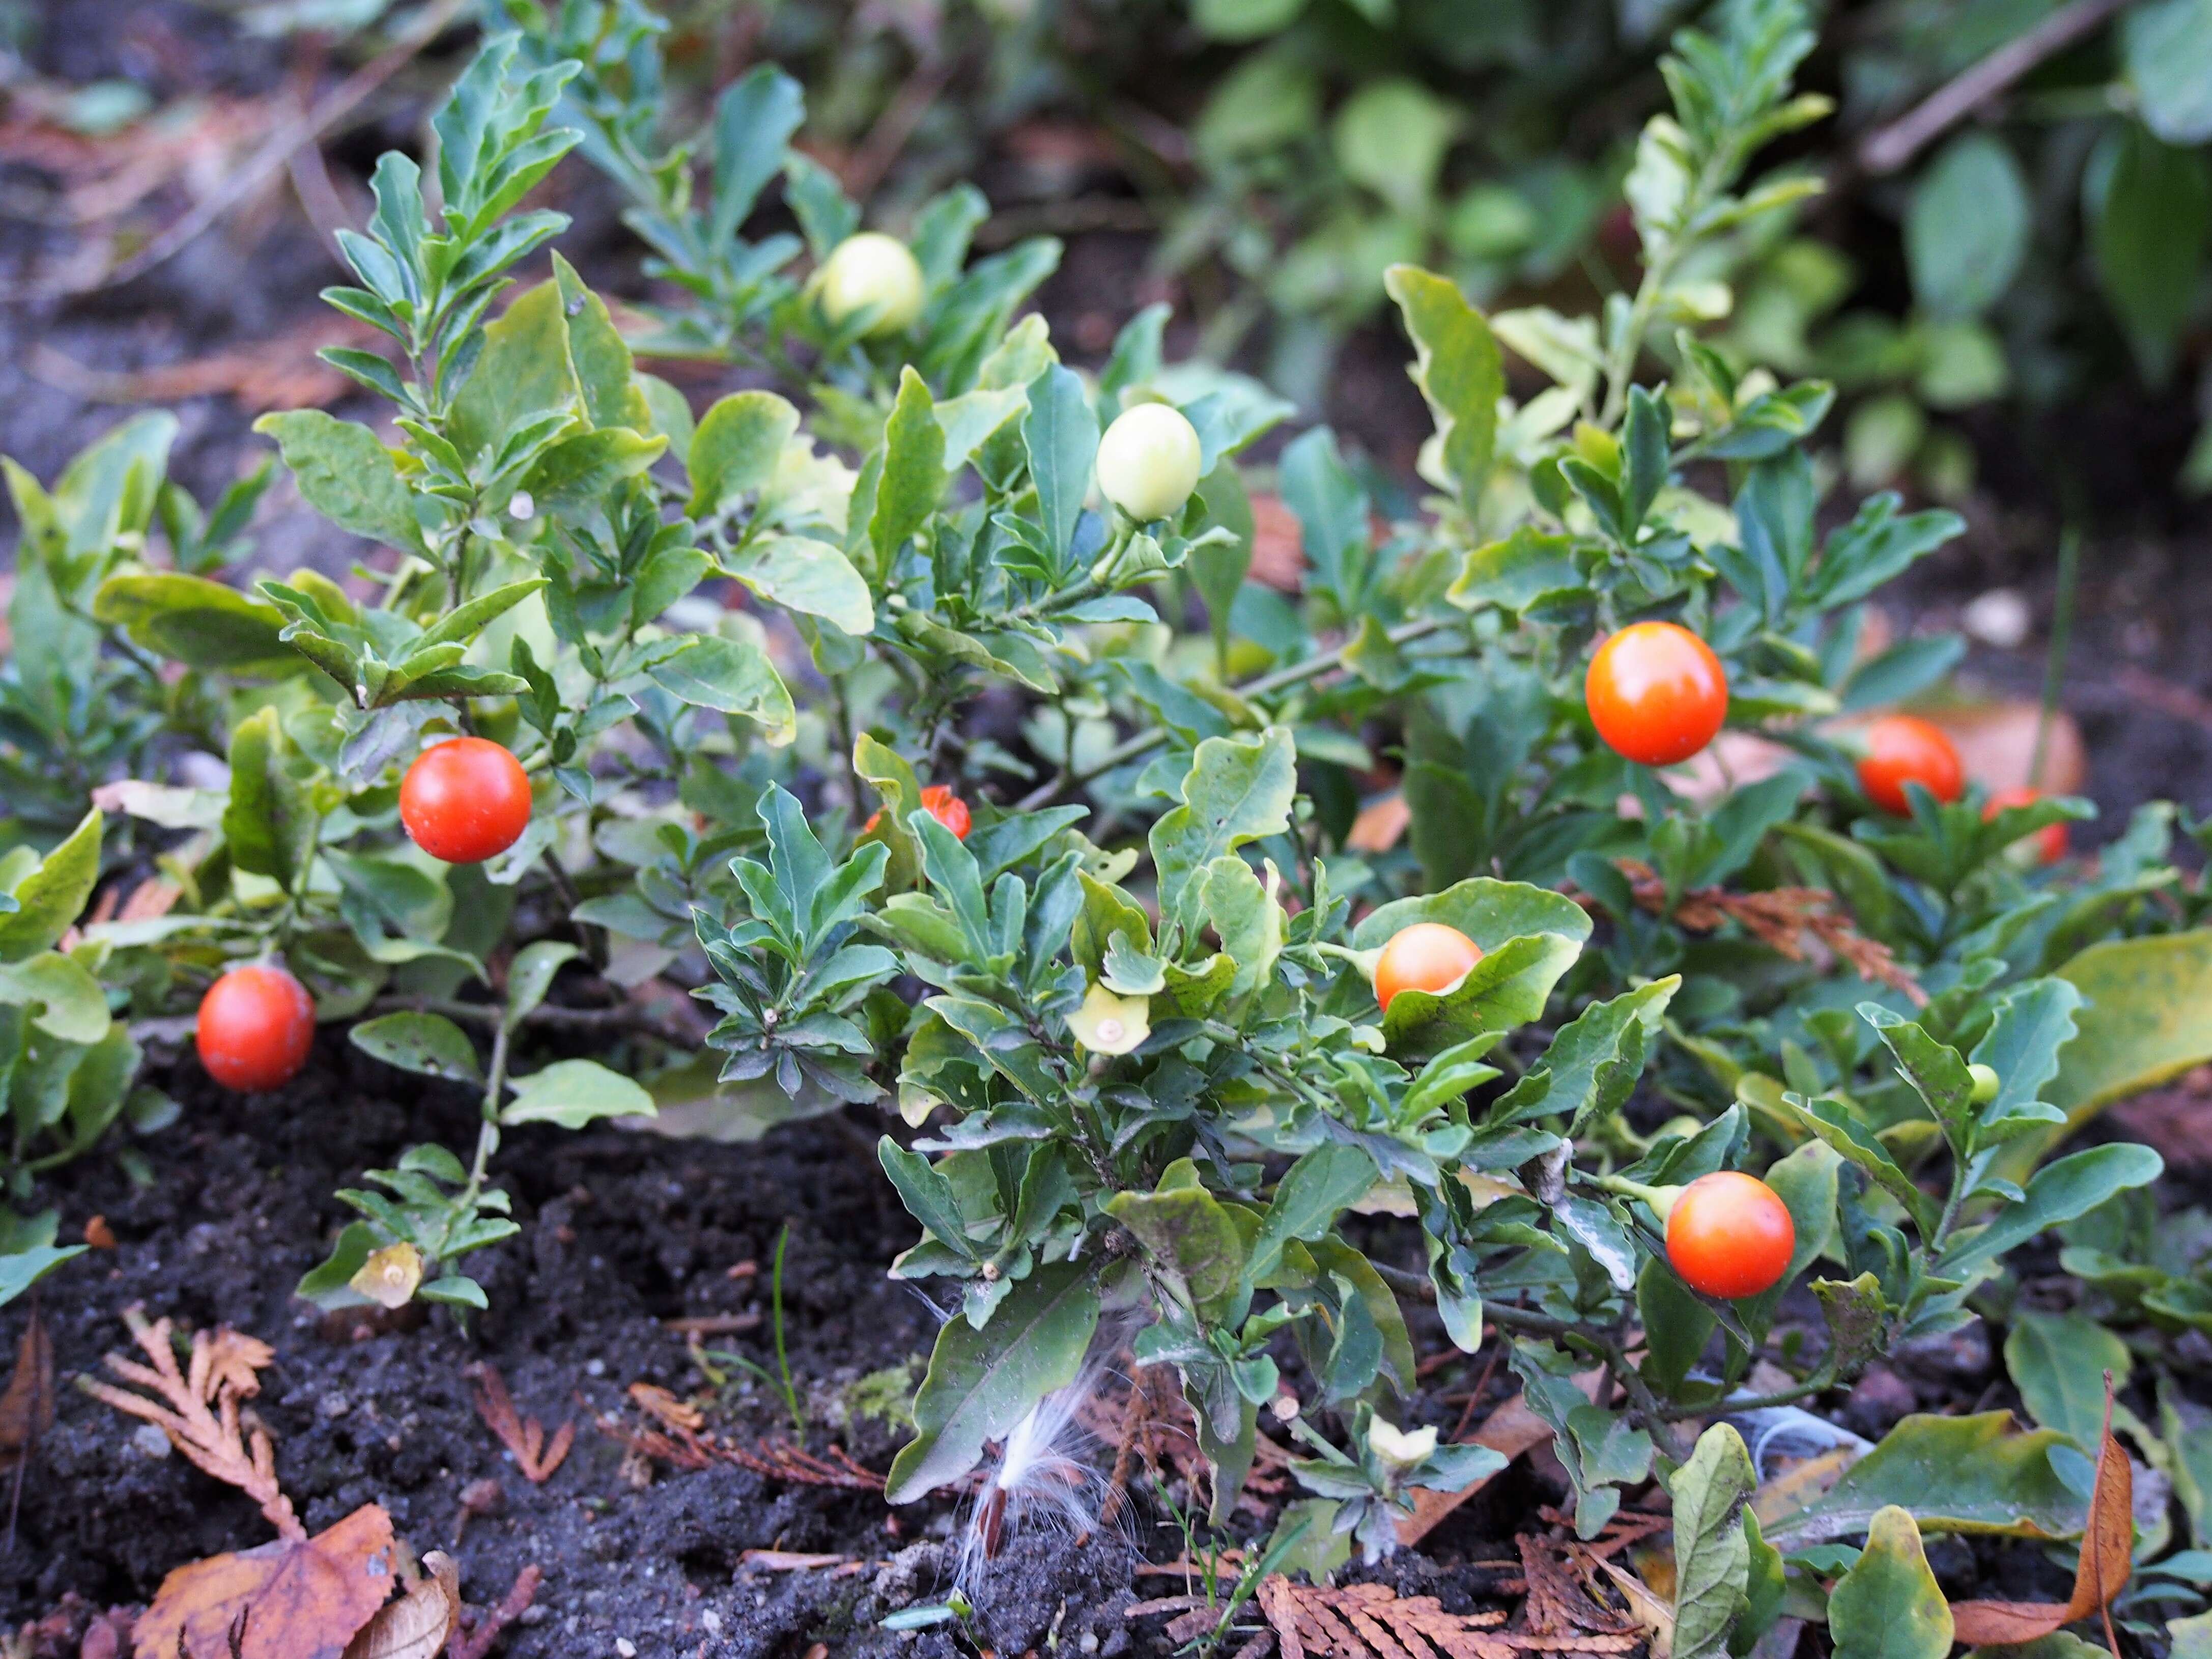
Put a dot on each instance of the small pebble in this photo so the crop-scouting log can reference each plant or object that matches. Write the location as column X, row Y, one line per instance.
column 1999, row 617
column 712, row 1620
column 595, row 1368
column 1089, row 1642
column 149, row 1442
column 625, row 1647
column 334, row 1406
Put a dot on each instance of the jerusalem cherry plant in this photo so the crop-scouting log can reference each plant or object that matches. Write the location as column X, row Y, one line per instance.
column 916, row 712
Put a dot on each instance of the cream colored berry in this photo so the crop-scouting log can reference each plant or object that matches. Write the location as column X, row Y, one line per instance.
column 1148, row 462
column 873, row 273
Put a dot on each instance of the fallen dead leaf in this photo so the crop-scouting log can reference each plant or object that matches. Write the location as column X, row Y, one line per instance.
column 1509, row 1431
column 1996, row 742
column 1279, row 552
column 1380, row 824
column 1795, row 1487
column 792, row 1560
column 27, row 1410
column 417, row 1625
column 534, row 1455
column 1356, row 1620
column 305, row 1597
column 2101, row 1573
column 99, row 1234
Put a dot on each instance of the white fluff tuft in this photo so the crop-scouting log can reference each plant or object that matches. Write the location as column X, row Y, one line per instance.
column 1042, row 1479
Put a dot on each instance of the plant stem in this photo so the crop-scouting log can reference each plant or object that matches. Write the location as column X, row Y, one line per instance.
column 495, row 1086
column 1281, row 680
column 782, row 1359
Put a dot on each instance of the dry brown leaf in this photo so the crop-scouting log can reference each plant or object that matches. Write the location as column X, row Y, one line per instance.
column 99, row 1234
column 534, row 1455
column 231, row 1360
column 1509, row 1431
column 1357, row 1621
column 1381, row 823
column 1279, row 552
column 2102, row 1572
column 417, row 1625
column 1996, row 743
column 304, row 1598
column 212, row 1438
column 27, row 1410
column 1795, row 1487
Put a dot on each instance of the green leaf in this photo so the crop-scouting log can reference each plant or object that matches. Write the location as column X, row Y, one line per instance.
column 1888, row 1606
column 523, row 373
column 1218, row 569
column 914, row 471
column 982, row 1383
column 1968, row 1474
column 21, row 1269
column 199, row 622
column 1189, row 1235
column 428, row 1044
column 329, row 1283
column 2167, row 48
column 731, row 676
column 1509, row 986
column 735, row 448
column 1391, row 136
column 754, row 120
column 49, row 894
column 1307, row 1200
column 575, row 1092
column 1237, row 790
column 270, row 823
column 1936, row 1071
column 346, row 474
column 605, row 370
column 1060, row 436
column 2147, row 1016
column 1487, row 911
column 70, row 1004
column 1525, row 568
column 2057, row 1362
column 801, row 574
column 927, row 1193
column 2072, row 1186
column 530, row 976
column 1456, row 366
column 2033, row 1023
column 1967, row 228
column 2149, row 212
column 1712, row 1556
column 1593, row 1064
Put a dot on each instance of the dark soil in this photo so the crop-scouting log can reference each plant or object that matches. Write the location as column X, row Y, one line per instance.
column 620, row 1232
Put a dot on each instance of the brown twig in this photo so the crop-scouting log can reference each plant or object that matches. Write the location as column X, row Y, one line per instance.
column 1889, row 147
column 534, row 1455
column 224, row 1367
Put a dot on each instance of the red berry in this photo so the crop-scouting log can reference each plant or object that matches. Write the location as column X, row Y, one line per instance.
column 1425, row 957
column 256, row 1025
column 465, row 800
column 1902, row 749
column 1656, row 693
column 2051, row 842
column 1730, row 1235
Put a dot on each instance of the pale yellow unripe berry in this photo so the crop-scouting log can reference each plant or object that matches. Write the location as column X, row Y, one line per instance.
column 1148, row 462
column 871, row 273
